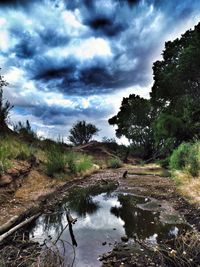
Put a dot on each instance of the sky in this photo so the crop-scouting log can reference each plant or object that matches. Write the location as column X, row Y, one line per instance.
column 75, row 60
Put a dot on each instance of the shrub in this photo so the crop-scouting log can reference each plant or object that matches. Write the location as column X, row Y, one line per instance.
column 179, row 157
column 186, row 157
column 84, row 163
column 78, row 163
column 194, row 159
column 114, row 163
column 56, row 160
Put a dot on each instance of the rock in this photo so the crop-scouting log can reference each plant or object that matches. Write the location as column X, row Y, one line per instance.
column 124, row 238
column 104, row 243
column 5, row 180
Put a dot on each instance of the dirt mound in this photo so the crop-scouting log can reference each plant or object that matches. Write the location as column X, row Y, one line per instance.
column 97, row 150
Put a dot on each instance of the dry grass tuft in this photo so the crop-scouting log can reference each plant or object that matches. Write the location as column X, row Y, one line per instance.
column 183, row 251
column 188, row 186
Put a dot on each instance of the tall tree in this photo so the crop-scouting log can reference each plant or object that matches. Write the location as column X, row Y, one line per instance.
column 5, row 108
column 172, row 115
column 176, row 90
column 134, row 121
column 82, row 132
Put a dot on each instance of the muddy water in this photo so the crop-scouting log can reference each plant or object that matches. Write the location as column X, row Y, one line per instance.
column 102, row 220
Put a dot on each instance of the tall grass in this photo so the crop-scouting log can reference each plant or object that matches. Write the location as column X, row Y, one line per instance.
column 114, row 163
column 56, row 160
column 4, row 161
column 67, row 161
column 15, row 148
column 12, row 148
column 78, row 163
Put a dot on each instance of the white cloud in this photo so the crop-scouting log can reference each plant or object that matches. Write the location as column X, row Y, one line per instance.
column 82, row 49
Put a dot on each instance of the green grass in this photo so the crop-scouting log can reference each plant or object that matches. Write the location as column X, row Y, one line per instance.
column 12, row 148
column 56, row 161
column 15, row 148
column 66, row 162
column 114, row 163
column 4, row 161
column 78, row 163
column 55, row 157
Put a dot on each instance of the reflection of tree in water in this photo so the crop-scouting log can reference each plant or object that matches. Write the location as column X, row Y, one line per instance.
column 82, row 202
column 143, row 223
column 54, row 221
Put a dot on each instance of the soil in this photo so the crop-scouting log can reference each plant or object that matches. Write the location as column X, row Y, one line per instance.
column 31, row 192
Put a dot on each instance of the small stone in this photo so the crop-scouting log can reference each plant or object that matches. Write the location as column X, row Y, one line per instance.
column 104, row 243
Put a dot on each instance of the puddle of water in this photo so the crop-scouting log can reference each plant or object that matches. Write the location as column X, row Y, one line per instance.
column 102, row 219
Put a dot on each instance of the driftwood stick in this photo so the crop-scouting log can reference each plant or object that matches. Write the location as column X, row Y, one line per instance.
column 18, row 226
column 6, row 226
column 70, row 220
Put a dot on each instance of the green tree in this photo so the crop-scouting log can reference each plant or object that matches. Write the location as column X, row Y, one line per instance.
column 5, row 108
column 175, row 93
column 82, row 132
column 134, row 121
column 172, row 115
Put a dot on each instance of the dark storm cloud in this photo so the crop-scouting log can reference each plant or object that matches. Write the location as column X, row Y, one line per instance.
column 13, row 2
column 113, row 20
column 82, row 48
column 105, row 25
column 26, row 48
column 56, row 115
column 52, row 38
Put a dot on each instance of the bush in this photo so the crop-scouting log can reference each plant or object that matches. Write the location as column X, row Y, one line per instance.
column 179, row 157
column 114, row 163
column 78, row 163
column 186, row 157
column 84, row 163
column 56, row 160
column 194, row 159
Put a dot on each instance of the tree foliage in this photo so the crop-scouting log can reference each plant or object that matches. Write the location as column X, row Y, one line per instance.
column 172, row 115
column 134, row 121
column 82, row 132
column 176, row 90
column 5, row 108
